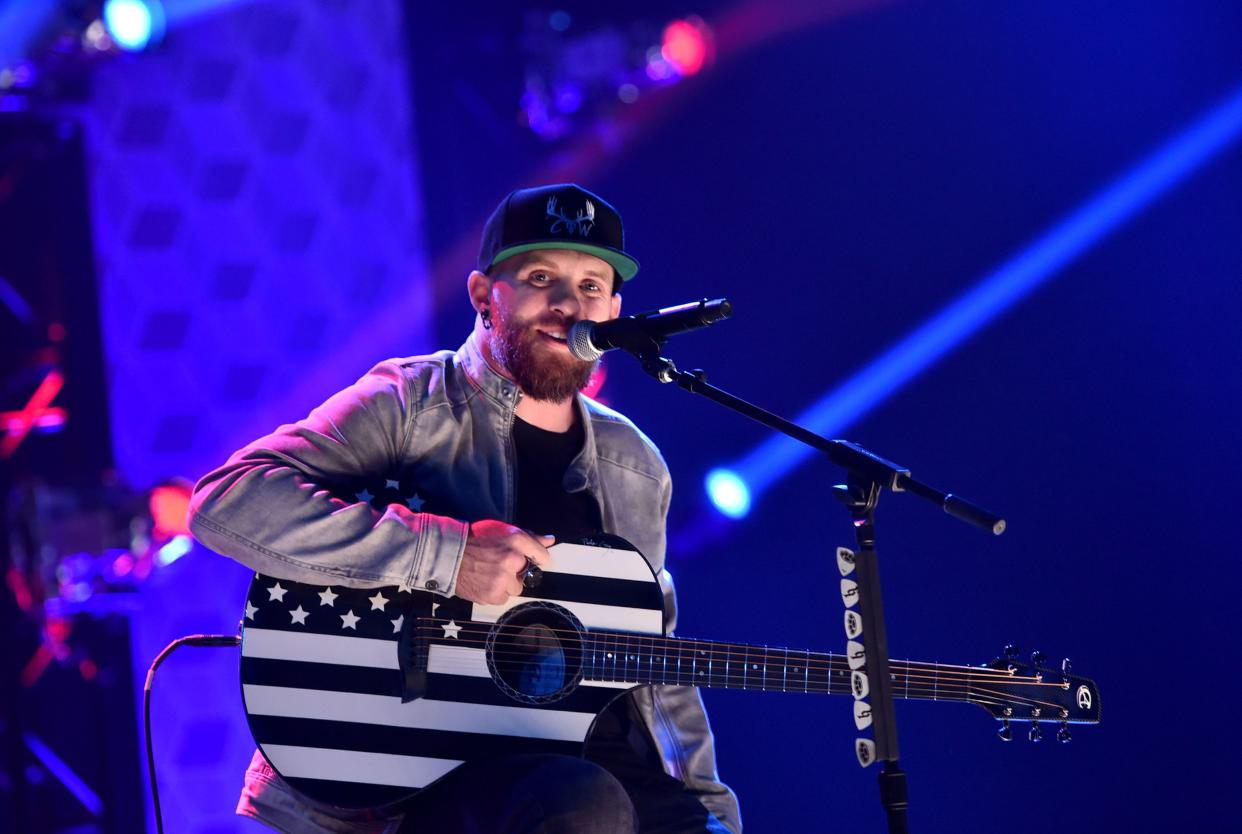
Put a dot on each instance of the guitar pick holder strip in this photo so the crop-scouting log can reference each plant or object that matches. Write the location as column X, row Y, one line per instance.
column 868, row 475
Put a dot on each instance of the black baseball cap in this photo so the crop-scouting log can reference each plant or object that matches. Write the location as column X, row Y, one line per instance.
column 564, row 216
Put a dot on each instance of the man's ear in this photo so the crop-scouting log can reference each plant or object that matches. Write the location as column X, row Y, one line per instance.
column 479, row 288
column 616, row 305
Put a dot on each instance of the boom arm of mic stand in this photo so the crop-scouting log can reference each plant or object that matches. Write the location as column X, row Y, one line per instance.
column 849, row 456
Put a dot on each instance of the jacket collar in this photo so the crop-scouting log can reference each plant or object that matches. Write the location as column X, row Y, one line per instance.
column 496, row 387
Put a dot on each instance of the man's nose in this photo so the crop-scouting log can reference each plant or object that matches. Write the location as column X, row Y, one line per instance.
column 564, row 301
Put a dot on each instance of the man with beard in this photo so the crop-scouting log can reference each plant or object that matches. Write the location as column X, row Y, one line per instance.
column 500, row 456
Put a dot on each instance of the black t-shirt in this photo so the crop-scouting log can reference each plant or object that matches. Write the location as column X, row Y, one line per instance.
column 617, row 741
column 544, row 506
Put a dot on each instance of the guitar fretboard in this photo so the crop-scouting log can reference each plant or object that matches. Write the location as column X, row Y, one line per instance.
column 638, row 658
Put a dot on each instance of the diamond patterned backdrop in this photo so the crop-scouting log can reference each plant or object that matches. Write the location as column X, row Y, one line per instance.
column 254, row 198
column 254, row 194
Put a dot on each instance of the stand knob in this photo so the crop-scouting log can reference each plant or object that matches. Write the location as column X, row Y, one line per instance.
column 1063, row 734
column 1011, row 651
column 1005, row 733
column 1066, row 666
column 1035, row 734
column 1038, row 658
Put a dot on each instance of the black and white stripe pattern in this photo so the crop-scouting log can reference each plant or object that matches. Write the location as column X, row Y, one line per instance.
column 321, row 677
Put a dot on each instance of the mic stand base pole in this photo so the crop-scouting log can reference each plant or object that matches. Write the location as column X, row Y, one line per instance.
column 893, row 797
column 861, row 498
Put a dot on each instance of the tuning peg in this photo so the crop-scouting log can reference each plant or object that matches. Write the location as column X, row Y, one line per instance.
column 1005, row 733
column 1066, row 666
column 1038, row 658
column 1063, row 734
column 1011, row 651
column 1035, row 734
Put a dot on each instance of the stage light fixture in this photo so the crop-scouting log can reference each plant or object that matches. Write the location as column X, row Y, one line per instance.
column 134, row 25
column 728, row 492
column 686, row 45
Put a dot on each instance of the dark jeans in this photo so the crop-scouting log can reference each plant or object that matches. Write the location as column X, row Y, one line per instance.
column 544, row 794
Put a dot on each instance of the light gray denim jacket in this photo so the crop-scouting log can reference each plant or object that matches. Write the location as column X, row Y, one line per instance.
column 443, row 423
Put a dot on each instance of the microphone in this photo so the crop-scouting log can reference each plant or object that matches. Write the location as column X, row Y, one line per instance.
column 588, row 340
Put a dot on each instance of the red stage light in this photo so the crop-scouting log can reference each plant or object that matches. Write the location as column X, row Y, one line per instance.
column 169, row 505
column 686, row 45
column 19, row 423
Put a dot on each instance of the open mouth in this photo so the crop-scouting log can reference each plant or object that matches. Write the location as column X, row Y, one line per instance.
column 555, row 338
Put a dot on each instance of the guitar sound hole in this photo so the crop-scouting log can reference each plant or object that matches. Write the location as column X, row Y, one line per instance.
column 534, row 652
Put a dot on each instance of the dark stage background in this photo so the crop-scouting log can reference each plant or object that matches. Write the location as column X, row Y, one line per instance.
column 842, row 171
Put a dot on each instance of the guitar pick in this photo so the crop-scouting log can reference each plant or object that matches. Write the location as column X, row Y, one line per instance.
column 845, row 561
column 859, row 685
column 849, row 592
column 862, row 715
column 864, row 748
column 855, row 655
column 853, row 624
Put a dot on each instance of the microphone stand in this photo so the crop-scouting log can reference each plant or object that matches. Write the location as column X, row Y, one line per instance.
column 868, row 474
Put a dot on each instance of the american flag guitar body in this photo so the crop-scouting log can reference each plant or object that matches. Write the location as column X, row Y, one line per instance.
column 361, row 698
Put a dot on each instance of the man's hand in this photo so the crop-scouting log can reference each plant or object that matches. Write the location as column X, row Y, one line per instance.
column 495, row 554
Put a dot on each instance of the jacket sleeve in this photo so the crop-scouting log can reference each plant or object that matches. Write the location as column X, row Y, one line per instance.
column 282, row 505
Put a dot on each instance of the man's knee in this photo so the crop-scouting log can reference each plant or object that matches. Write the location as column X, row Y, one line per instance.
column 584, row 799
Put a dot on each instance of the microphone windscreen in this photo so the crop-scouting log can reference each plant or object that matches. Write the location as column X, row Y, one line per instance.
column 580, row 344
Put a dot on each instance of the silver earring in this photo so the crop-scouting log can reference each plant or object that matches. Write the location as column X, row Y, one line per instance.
column 487, row 318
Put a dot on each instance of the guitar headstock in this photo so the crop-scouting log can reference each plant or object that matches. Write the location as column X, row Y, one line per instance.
column 1033, row 692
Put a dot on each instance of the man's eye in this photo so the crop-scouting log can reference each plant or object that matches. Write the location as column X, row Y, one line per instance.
column 539, row 277
column 591, row 287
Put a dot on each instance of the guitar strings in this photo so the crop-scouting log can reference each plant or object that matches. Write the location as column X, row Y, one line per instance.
column 969, row 691
column 942, row 687
column 944, row 673
column 727, row 651
column 968, row 694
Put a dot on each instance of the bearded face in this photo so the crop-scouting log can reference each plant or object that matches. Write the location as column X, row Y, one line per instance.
column 543, row 372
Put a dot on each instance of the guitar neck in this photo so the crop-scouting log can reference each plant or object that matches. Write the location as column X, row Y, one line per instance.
column 638, row 658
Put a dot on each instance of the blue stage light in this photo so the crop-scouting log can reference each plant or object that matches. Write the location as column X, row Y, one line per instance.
column 174, row 550
column 728, row 492
column 991, row 296
column 134, row 25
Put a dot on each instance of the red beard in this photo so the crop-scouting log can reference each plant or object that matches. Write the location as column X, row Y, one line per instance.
column 541, row 372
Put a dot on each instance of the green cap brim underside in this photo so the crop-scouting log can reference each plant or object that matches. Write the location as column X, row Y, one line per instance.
column 625, row 266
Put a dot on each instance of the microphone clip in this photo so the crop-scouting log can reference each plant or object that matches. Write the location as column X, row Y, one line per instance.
column 660, row 367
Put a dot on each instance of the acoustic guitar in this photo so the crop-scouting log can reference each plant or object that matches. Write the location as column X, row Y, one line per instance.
column 362, row 698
